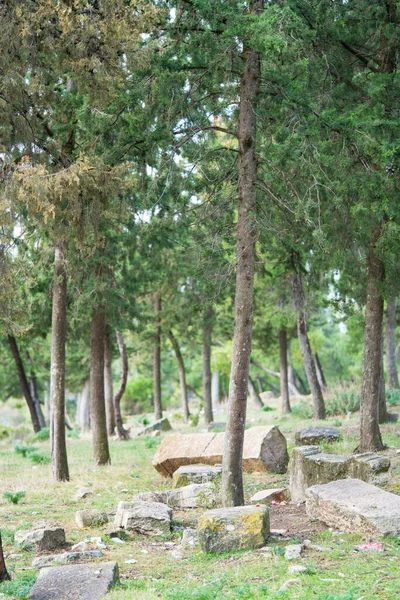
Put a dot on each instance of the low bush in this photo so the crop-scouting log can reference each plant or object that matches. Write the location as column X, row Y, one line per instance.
column 302, row 410
column 343, row 400
column 392, row 397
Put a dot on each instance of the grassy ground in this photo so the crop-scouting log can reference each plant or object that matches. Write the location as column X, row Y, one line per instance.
column 338, row 572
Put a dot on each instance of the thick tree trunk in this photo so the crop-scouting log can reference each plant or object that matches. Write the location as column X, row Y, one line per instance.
column 207, row 398
column 24, row 383
column 83, row 409
column 254, row 396
column 305, row 348
column 157, row 358
column 4, row 576
column 283, row 370
column 246, row 234
column 182, row 376
column 370, row 436
column 108, row 385
column 215, row 390
column 122, row 433
column 57, row 375
column 391, row 366
column 101, row 451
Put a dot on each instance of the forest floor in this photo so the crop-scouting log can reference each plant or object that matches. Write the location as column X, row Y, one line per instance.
column 337, row 571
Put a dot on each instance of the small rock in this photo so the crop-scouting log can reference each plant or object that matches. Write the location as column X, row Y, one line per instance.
column 156, row 433
column 319, row 548
column 315, row 435
column 90, row 517
column 14, row 556
column 294, row 569
column 289, row 584
column 64, row 559
column 176, row 555
column 190, row 537
column 117, row 540
column 131, row 561
column 269, row 496
column 149, row 518
column 293, row 551
column 83, row 493
column 43, row 539
column 80, row 547
column 161, row 425
column 187, row 474
column 307, row 543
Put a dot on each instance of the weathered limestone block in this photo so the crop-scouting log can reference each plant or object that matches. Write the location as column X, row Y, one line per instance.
column 90, row 517
column 355, row 506
column 46, row 538
column 194, row 496
column 216, row 425
column 235, row 528
column 149, row 518
column 310, row 466
column 188, row 474
column 264, row 449
column 161, row 425
column 65, row 558
column 315, row 435
column 269, row 496
column 77, row 582
column 190, row 537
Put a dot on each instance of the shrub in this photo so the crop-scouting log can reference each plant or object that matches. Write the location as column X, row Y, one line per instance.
column 343, row 400
column 392, row 397
column 194, row 420
column 42, row 435
column 24, row 450
column 302, row 410
column 14, row 498
column 39, row 459
column 267, row 408
column 73, row 434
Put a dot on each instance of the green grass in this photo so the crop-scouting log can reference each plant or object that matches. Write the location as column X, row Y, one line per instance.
column 337, row 574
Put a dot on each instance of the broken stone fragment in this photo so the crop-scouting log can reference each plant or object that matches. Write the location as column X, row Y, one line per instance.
column 269, row 496
column 149, row 518
column 189, row 496
column 242, row 527
column 293, row 551
column 187, row 474
column 90, row 517
column 46, row 538
column 190, row 537
column 65, row 559
column 161, row 425
column 315, row 435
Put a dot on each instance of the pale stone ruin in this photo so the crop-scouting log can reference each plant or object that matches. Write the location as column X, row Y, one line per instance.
column 162, row 425
column 45, row 538
column 187, row 474
column 315, row 435
column 265, row 449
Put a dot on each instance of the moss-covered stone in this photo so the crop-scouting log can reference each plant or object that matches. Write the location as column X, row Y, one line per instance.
column 239, row 528
column 188, row 474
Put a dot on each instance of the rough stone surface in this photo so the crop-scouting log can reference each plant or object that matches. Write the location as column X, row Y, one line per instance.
column 90, row 517
column 194, row 496
column 216, row 425
column 75, row 582
column 264, row 449
column 190, row 538
column 149, row 518
column 188, row 474
column 355, row 506
column 242, row 527
column 293, row 551
column 161, row 425
column 65, row 559
column 83, row 493
column 316, row 435
column 43, row 539
column 310, row 466
column 269, row 496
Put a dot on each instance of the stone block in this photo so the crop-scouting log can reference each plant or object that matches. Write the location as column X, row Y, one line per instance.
column 75, row 582
column 355, row 506
column 264, row 449
column 161, row 425
column 188, row 474
column 315, row 435
column 194, row 496
column 269, row 496
column 46, row 538
column 148, row 518
column 90, row 518
column 241, row 527
column 65, row 558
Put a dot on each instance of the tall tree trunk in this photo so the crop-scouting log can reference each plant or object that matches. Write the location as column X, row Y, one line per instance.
column 182, row 376
column 370, row 435
column 207, row 399
column 320, row 372
column 305, row 348
column 157, row 358
column 34, row 392
column 246, row 234
column 215, row 390
column 108, row 385
column 59, row 458
column 259, row 384
column 83, row 409
column 254, row 396
column 283, row 370
column 97, row 401
column 122, row 432
column 383, row 412
column 4, row 576
column 391, row 366
column 24, row 383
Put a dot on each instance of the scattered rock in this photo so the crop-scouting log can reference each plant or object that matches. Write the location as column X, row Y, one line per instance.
column 310, row 466
column 156, row 433
column 190, row 537
column 355, row 506
column 315, row 435
column 14, row 556
column 289, row 584
column 187, row 474
column 236, row 528
column 264, row 449
column 80, row 547
column 294, row 569
column 77, row 582
column 269, row 496
column 43, row 539
column 194, row 496
column 64, row 559
column 176, row 554
column 149, row 518
column 90, row 517
column 293, row 551
column 83, row 493
column 161, row 425
column 131, row 561
column 216, row 425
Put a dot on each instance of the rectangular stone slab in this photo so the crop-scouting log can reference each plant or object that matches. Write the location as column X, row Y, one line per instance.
column 264, row 449
column 75, row 582
column 355, row 506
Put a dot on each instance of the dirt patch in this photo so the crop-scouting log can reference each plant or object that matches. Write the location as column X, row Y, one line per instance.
column 294, row 521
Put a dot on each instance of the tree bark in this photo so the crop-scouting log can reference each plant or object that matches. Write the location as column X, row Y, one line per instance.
column 391, row 366
column 383, row 411
column 246, row 234
column 34, row 392
column 370, row 435
column 4, row 576
column 305, row 348
column 283, row 370
column 157, row 358
column 97, row 401
column 254, row 396
column 83, row 409
column 215, row 390
column 320, row 372
column 59, row 458
column 182, row 376
column 108, row 385
column 207, row 399
column 122, row 432
column 24, row 383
